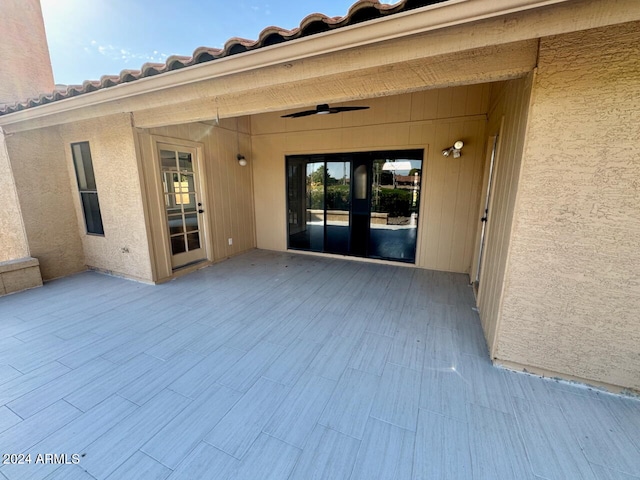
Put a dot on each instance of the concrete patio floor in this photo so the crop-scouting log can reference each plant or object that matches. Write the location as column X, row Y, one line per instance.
column 283, row 366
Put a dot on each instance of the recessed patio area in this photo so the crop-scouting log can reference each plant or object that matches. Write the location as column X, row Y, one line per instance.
column 287, row 366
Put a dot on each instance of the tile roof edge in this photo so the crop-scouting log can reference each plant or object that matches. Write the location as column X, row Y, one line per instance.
column 312, row 24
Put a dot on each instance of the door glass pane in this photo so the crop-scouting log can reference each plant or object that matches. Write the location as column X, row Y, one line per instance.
column 395, row 199
column 305, row 192
column 296, row 203
column 175, row 224
column 168, row 180
column 188, row 202
column 178, row 245
column 172, row 202
column 338, row 201
column 191, row 221
column 193, row 241
column 315, row 174
column 168, row 159
column 185, row 162
column 187, row 183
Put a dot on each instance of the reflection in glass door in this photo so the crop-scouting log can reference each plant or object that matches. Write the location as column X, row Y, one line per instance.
column 183, row 206
column 305, row 186
column 338, row 201
column 395, row 200
column 364, row 204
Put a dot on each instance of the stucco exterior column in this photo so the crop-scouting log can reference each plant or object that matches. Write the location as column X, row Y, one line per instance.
column 572, row 287
column 13, row 239
column 17, row 270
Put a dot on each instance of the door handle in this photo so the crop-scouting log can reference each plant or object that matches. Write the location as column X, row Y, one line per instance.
column 200, row 211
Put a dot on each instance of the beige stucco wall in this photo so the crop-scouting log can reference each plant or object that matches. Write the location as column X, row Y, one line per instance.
column 228, row 201
column 507, row 119
column 13, row 238
column 40, row 169
column 26, row 67
column 124, row 249
column 430, row 119
column 572, row 290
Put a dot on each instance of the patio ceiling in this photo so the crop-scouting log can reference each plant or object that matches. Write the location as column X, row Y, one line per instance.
column 291, row 367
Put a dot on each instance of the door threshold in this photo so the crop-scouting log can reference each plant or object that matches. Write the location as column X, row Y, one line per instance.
column 188, row 268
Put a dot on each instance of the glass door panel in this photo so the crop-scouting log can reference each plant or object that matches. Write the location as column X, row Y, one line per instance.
column 306, row 180
column 182, row 204
column 395, row 200
column 315, row 205
column 296, row 200
column 338, row 206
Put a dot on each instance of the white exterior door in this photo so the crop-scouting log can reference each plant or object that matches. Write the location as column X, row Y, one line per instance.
column 183, row 203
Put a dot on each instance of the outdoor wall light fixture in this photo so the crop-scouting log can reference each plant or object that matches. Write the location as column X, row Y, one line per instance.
column 241, row 160
column 455, row 149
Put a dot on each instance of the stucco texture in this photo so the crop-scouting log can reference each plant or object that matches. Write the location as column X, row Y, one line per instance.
column 13, row 241
column 124, row 249
column 26, row 68
column 572, row 289
column 42, row 182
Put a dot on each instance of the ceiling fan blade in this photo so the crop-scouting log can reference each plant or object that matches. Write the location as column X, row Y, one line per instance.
column 300, row 114
column 348, row 109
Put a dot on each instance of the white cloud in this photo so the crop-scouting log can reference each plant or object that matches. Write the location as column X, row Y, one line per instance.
column 125, row 54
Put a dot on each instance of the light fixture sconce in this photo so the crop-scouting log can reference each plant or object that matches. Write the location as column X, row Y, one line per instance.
column 455, row 149
column 241, row 160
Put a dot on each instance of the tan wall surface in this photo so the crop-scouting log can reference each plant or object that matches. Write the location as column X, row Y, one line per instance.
column 26, row 67
column 572, row 292
column 508, row 118
column 431, row 119
column 13, row 239
column 115, row 164
column 40, row 169
column 229, row 207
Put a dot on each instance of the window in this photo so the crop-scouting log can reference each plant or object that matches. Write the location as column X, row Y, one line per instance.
column 87, row 187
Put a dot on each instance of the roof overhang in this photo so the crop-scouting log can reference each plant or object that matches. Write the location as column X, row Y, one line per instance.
column 454, row 13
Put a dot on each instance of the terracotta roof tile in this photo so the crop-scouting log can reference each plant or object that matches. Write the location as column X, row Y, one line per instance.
column 361, row 11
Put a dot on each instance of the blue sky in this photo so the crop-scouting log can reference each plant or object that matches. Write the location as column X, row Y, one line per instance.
column 88, row 39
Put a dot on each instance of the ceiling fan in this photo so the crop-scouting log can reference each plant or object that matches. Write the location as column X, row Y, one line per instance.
column 323, row 109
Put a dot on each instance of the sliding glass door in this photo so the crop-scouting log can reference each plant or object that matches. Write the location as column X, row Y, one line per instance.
column 363, row 204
